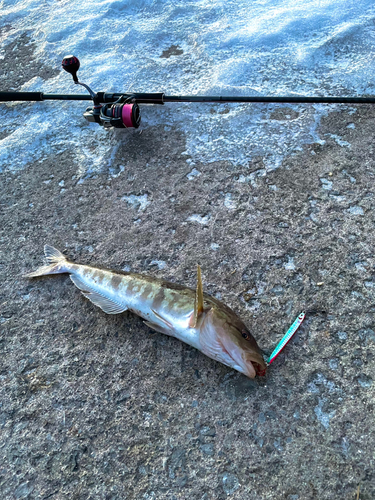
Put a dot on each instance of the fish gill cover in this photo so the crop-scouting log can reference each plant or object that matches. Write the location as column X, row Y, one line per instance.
column 212, row 47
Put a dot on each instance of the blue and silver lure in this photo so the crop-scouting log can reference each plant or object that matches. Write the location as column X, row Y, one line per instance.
column 289, row 334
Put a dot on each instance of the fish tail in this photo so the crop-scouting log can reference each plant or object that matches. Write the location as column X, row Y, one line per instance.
column 57, row 263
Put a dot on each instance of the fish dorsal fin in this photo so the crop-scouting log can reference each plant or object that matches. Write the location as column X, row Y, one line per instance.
column 198, row 305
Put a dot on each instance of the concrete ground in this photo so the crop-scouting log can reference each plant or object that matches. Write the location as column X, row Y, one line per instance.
column 100, row 407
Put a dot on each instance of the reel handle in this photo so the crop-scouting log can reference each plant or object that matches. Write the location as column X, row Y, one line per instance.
column 71, row 64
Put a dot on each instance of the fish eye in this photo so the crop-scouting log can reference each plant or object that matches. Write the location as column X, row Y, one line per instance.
column 245, row 335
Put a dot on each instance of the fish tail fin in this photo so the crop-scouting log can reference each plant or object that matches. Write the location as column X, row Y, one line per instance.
column 57, row 263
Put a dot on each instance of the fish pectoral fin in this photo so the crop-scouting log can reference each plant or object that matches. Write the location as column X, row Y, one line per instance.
column 162, row 319
column 159, row 328
column 165, row 328
column 107, row 305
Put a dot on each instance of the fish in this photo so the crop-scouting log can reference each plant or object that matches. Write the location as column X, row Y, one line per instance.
column 192, row 316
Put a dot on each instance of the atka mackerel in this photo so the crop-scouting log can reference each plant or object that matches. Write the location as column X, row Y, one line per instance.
column 189, row 315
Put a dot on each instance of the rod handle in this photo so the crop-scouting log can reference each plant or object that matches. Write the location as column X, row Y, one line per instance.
column 21, row 96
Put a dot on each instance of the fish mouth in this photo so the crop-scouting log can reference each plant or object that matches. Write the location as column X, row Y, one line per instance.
column 258, row 366
column 243, row 364
column 250, row 370
column 260, row 370
column 238, row 360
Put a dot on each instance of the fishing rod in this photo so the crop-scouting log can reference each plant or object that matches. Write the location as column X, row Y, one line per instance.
column 121, row 110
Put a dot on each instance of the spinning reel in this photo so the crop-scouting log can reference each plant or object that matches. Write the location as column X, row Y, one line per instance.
column 122, row 113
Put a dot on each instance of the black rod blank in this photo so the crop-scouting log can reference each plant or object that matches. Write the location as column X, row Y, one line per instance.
column 160, row 98
column 289, row 99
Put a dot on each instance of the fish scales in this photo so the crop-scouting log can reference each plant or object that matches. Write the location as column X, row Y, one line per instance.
column 189, row 315
column 139, row 294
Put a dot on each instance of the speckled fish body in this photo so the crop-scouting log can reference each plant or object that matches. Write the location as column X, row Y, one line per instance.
column 189, row 315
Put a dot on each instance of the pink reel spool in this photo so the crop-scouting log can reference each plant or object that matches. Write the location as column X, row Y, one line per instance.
column 130, row 115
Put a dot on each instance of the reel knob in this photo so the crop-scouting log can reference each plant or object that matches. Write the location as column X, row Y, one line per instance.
column 71, row 65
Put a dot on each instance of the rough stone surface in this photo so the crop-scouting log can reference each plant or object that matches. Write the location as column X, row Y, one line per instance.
column 101, row 407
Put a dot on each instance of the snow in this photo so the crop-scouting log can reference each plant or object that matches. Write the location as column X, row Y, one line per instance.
column 231, row 47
